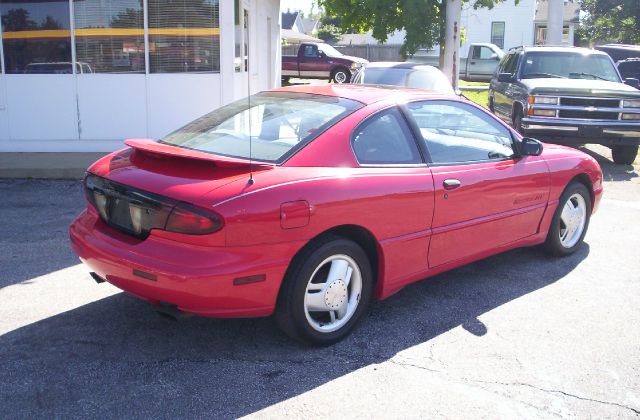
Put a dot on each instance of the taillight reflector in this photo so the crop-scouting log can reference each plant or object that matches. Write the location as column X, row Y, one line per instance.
column 185, row 218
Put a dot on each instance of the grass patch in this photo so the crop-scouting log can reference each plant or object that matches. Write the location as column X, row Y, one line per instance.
column 479, row 97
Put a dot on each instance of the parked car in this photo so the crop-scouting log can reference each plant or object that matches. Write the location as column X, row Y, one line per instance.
column 629, row 68
column 316, row 60
column 620, row 52
column 57, row 68
column 331, row 196
column 478, row 66
column 413, row 75
column 570, row 96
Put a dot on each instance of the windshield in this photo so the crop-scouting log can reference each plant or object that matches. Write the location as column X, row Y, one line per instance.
column 276, row 123
column 329, row 50
column 569, row 65
column 413, row 78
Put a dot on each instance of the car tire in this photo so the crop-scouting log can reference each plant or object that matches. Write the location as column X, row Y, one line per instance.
column 285, row 80
column 319, row 275
column 341, row 75
column 491, row 105
column 570, row 221
column 624, row 155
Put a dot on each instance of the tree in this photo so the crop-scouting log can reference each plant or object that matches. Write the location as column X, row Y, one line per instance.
column 422, row 20
column 329, row 33
column 610, row 21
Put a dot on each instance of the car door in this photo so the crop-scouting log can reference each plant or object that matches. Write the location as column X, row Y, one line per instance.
column 503, row 91
column 311, row 63
column 399, row 192
column 486, row 196
column 482, row 62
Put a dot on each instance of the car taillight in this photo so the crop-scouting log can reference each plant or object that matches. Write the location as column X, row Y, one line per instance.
column 185, row 218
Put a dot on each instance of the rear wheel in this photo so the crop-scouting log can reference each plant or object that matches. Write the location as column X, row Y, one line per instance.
column 285, row 80
column 570, row 221
column 341, row 75
column 624, row 155
column 325, row 291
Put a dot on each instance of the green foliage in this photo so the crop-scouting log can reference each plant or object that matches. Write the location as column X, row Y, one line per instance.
column 329, row 33
column 422, row 20
column 610, row 21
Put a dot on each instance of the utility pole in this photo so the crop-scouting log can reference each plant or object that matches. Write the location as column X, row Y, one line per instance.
column 451, row 64
column 555, row 21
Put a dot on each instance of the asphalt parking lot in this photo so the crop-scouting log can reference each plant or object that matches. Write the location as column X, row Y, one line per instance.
column 518, row 335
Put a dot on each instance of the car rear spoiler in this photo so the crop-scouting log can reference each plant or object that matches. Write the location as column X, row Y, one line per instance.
column 153, row 148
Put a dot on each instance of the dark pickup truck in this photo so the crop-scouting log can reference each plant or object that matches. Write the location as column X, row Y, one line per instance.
column 316, row 60
column 570, row 96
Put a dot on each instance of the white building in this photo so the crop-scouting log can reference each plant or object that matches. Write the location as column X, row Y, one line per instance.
column 509, row 25
column 143, row 68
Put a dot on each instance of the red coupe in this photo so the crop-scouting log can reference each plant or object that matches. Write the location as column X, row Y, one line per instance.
column 308, row 202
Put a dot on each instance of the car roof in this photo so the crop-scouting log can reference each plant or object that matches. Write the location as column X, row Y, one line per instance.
column 366, row 94
column 400, row 65
column 577, row 50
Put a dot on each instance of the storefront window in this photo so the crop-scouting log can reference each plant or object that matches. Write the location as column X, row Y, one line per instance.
column 109, row 35
column 36, row 36
column 237, row 62
column 184, row 36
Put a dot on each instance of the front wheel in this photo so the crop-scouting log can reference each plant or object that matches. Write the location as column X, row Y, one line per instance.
column 570, row 221
column 341, row 75
column 624, row 155
column 325, row 291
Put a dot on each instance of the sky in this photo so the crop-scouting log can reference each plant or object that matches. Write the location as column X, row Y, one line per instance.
column 304, row 5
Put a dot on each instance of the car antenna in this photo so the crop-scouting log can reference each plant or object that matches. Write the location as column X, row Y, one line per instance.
column 251, row 181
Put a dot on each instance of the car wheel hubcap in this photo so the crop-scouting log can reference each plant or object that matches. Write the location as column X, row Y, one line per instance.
column 341, row 77
column 333, row 293
column 572, row 220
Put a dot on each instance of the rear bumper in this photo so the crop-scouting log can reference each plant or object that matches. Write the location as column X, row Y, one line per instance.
column 575, row 131
column 197, row 279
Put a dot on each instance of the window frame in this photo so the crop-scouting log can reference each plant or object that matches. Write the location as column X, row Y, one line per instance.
column 423, row 144
column 504, row 29
column 410, row 130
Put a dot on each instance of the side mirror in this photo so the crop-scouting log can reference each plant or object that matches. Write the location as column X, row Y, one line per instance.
column 505, row 77
column 530, row 147
column 321, row 54
column 494, row 56
column 633, row 82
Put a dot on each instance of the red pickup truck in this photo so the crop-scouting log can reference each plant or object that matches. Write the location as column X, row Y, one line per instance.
column 317, row 60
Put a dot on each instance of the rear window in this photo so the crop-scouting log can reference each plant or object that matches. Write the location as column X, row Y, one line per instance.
column 269, row 126
column 413, row 78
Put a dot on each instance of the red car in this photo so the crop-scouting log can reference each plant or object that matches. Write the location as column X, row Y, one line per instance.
column 308, row 202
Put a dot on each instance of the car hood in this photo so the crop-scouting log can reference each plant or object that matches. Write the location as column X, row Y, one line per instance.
column 579, row 87
column 348, row 59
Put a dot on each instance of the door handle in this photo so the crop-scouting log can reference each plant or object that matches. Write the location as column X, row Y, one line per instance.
column 473, row 62
column 451, row 184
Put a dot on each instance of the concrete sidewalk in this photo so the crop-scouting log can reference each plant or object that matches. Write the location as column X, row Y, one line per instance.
column 46, row 165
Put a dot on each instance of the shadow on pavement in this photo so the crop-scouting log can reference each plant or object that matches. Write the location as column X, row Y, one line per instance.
column 612, row 171
column 116, row 358
column 34, row 220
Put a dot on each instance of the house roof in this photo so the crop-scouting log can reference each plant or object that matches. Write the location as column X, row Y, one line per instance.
column 289, row 19
column 309, row 25
column 571, row 11
column 295, row 37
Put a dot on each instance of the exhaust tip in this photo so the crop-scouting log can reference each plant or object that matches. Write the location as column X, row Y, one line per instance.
column 96, row 277
column 171, row 312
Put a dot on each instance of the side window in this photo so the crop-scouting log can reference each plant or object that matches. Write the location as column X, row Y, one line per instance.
column 482, row 53
column 455, row 132
column 310, row 51
column 511, row 64
column 385, row 138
